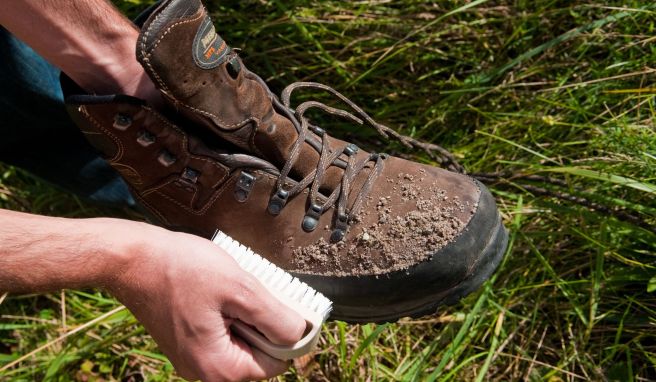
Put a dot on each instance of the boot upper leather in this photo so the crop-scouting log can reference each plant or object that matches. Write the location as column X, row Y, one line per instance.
column 424, row 230
column 412, row 211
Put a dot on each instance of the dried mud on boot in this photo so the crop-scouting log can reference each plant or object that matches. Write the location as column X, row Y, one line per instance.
column 398, row 240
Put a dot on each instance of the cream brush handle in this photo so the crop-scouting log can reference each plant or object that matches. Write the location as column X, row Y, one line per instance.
column 283, row 352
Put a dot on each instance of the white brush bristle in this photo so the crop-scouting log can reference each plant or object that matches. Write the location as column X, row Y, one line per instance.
column 274, row 277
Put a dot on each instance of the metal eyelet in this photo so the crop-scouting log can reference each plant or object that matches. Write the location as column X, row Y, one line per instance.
column 341, row 226
column 277, row 202
column 122, row 122
column 317, row 130
column 234, row 68
column 311, row 218
column 184, row 185
column 146, row 138
column 190, row 175
column 351, row 149
column 166, row 158
column 244, row 186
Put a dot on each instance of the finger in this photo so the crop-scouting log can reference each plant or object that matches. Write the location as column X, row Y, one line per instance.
column 253, row 304
column 240, row 362
column 269, row 366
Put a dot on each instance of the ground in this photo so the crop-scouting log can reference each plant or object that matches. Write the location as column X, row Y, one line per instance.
column 554, row 100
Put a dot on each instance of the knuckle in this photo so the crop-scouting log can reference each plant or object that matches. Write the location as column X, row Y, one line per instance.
column 248, row 290
column 250, row 284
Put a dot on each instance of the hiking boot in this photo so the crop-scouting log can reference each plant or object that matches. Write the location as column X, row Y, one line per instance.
column 380, row 236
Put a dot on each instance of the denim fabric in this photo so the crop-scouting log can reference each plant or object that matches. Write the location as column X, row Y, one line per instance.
column 37, row 135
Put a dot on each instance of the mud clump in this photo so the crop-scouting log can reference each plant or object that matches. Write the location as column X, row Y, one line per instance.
column 401, row 230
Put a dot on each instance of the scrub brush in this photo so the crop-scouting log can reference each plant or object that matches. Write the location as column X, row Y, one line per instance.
column 313, row 306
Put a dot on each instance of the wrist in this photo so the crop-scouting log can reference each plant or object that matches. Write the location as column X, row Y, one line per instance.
column 113, row 69
column 104, row 64
column 122, row 245
column 90, row 41
column 135, row 82
column 119, row 72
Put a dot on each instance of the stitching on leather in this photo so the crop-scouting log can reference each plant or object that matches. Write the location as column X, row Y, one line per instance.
column 159, row 80
column 119, row 153
column 200, row 212
column 161, row 37
column 253, row 134
column 156, row 190
column 117, row 165
column 218, row 194
column 145, row 56
column 147, row 31
column 152, row 209
column 144, row 37
column 184, row 145
column 157, row 77
column 223, row 123
column 158, row 186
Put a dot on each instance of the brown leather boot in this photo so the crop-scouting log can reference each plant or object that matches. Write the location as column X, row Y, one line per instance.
column 381, row 236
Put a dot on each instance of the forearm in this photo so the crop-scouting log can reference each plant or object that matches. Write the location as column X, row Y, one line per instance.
column 40, row 253
column 91, row 41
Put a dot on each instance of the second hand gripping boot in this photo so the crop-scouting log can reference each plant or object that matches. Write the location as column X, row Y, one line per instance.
column 380, row 236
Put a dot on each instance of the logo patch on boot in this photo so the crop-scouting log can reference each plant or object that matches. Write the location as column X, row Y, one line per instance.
column 209, row 48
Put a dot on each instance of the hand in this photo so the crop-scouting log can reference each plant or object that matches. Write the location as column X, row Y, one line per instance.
column 90, row 41
column 132, row 80
column 186, row 291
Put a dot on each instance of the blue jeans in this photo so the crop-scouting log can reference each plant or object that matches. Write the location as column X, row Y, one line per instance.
column 37, row 134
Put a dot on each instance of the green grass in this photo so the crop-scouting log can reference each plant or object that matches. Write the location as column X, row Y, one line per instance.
column 557, row 90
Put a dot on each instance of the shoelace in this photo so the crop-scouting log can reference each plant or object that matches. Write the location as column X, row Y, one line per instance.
column 328, row 157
